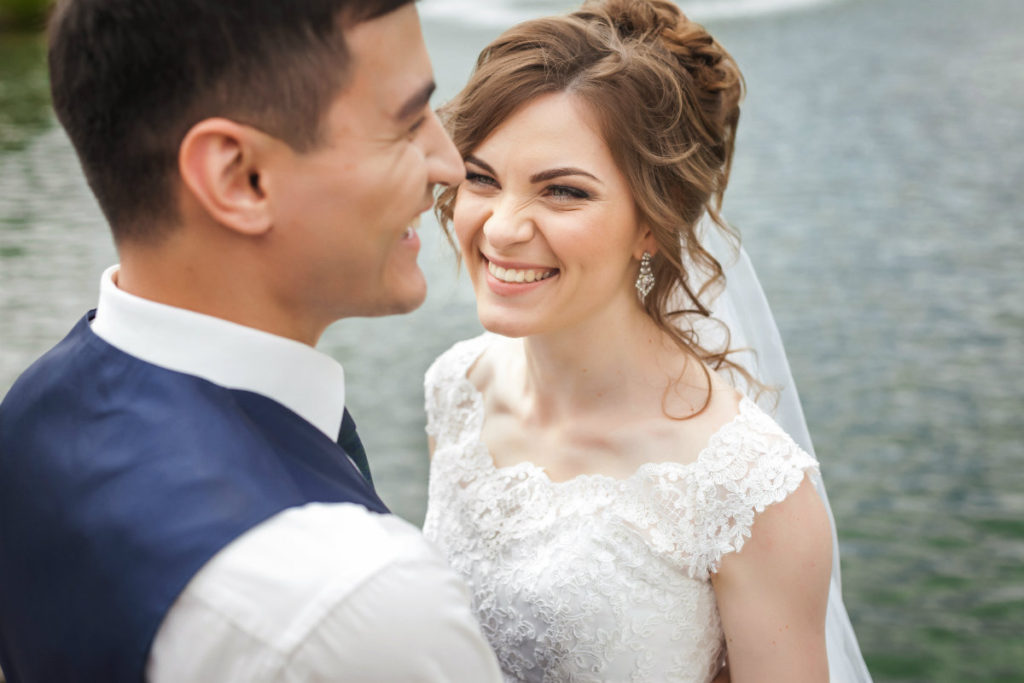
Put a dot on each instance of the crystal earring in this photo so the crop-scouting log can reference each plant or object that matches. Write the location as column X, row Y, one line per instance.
column 645, row 278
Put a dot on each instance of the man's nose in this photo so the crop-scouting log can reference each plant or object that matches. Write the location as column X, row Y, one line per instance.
column 445, row 165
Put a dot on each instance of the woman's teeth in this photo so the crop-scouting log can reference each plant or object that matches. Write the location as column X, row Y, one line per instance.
column 515, row 275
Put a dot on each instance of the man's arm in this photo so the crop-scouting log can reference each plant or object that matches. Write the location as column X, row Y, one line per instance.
column 324, row 593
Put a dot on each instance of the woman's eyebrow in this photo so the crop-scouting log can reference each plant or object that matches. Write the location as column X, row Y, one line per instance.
column 470, row 159
column 541, row 177
column 553, row 173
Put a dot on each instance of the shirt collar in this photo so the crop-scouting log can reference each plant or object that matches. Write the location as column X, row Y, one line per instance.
column 304, row 380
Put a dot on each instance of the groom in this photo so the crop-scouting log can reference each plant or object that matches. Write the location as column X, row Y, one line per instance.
column 174, row 501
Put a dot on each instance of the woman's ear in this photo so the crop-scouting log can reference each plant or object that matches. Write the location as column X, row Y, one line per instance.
column 220, row 163
column 645, row 241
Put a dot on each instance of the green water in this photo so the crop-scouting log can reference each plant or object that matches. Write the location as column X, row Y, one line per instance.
column 24, row 94
column 23, row 15
column 878, row 187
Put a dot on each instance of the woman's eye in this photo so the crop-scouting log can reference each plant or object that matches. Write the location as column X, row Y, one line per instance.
column 567, row 192
column 480, row 179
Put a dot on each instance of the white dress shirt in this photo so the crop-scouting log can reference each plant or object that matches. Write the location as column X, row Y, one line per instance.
column 322, row 592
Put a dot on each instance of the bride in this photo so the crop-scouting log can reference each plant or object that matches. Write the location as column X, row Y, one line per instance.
column 620, row 508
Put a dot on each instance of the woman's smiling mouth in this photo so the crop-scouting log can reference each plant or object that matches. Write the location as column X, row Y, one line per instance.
column 517, row 275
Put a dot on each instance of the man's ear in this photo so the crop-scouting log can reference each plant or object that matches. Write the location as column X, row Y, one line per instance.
column 220, row 163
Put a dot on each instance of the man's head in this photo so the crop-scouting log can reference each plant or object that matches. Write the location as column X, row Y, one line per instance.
column 130, row 77
column 302, row 127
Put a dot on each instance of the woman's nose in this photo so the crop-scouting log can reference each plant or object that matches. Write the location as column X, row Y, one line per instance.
column 508, row 224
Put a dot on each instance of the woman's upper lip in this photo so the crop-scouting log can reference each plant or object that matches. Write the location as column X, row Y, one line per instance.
column 517, row 265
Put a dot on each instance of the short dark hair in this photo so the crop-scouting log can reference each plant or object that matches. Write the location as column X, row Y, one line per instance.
column 129, row 78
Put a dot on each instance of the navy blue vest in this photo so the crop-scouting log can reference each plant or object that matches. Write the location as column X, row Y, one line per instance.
column 118, row 481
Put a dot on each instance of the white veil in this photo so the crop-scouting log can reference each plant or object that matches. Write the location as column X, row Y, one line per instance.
column 744, row 309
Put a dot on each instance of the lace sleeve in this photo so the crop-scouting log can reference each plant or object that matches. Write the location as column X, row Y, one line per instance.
column 759, row 465
column 710, row 508
column 444, row 376
column 432, row 392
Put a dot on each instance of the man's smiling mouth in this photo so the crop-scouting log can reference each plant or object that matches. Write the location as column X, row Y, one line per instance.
column 414, row 225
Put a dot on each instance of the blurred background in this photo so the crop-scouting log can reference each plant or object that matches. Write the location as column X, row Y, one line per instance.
column 878, row 187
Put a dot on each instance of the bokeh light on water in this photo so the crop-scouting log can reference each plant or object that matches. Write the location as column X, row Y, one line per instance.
column 878, row 186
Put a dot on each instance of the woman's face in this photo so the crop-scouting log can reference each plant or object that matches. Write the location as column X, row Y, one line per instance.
column 548, row 227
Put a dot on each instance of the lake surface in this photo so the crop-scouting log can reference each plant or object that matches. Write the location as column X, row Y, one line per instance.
column 878, row 185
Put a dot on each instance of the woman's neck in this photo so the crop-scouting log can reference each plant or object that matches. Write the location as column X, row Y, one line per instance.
column 615, row 362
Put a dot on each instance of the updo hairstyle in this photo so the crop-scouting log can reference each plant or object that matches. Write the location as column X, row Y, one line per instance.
column 666, row 96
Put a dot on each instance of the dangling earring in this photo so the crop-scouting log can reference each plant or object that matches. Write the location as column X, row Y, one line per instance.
column 645, row 278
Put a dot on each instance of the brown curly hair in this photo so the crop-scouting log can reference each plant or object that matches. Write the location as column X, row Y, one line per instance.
column 666, row 95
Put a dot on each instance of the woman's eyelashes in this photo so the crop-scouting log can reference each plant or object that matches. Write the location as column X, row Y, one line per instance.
column 566, row 192
column 480, row 179
column 558, row 192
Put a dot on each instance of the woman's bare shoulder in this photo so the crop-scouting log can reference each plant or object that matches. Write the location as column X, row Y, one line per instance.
column 496, row 356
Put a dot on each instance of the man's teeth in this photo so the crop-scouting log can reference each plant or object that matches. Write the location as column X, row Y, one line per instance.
column 514, row 275
column 414, row 225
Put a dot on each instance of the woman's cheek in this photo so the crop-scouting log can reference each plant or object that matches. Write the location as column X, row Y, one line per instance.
column 466, row 220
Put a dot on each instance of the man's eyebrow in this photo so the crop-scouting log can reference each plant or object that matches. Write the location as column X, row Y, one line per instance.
column 553, row 173
column 416, row 101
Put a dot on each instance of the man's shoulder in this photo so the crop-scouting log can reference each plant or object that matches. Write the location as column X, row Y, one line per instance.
column 86, row 395
column 83, row 372
column 52, row 369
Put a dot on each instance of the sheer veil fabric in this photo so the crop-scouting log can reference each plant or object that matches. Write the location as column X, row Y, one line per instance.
column 742, row 306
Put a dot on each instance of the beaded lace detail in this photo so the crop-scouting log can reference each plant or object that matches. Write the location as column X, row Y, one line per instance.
column 596, row 578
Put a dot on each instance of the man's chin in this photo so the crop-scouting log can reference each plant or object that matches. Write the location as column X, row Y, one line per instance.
column 411, row 304
column 402, row 302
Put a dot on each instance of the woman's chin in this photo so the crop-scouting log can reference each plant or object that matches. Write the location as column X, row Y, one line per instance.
column 506, row 326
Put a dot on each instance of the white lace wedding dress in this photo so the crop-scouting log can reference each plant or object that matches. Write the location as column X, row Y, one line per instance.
column 595, row 578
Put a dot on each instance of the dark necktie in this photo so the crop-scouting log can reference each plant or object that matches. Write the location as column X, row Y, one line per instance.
column 350, row 443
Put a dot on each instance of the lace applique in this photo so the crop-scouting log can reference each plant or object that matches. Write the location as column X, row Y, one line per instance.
column 596, row 578
column 450, row 398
